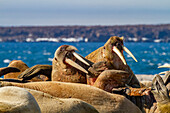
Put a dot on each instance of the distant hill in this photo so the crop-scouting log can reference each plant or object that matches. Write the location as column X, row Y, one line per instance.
column 132, row 33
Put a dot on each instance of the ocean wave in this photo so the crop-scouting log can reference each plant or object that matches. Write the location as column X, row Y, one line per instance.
column 151, row 64
column 143, row 60
column 165, row 64
column 71, row 39
column 47, row 39
column 50, row 59
column 163, row 53
column 7, row 61
column 29, row 52
column 46, row 53
column 19, row 57
column 128, row 56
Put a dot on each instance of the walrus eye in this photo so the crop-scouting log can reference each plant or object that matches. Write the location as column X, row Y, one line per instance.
column 118, row 44
column 62, row 49
column 56, row 59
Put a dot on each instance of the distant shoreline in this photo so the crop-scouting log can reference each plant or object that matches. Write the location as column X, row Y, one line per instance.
column 132, row 33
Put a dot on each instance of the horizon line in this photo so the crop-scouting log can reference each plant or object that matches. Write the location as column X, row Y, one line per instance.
column 81, row 25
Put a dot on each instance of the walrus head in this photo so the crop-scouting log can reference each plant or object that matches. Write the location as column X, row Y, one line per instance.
column 65, row 55
column 114, row 47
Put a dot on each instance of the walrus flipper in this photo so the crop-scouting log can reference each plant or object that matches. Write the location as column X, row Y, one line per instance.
column 7, row 70
column 36, row 70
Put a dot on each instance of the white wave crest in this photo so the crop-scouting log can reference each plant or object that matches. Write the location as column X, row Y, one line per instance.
column 50, row 59
column 7, row 61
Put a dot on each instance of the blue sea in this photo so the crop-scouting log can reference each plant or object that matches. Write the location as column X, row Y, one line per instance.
column 149, row 55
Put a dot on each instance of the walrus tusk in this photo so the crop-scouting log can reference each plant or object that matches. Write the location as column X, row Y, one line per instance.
column 165, row 66
column 72, row 63
column 76, row 54
column 161, row 73
column 127, row 51
column 116, row 50
column 79, row 58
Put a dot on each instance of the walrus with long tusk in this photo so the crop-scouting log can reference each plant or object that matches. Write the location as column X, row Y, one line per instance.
column 111, row 56
column 68, row 66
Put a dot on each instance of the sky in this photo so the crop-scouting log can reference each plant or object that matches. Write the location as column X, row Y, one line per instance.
column 83, row 12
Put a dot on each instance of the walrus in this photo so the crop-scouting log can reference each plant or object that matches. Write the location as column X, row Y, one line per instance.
column 17, row 64
column 101, row 100
column 17, row 67
column 161, row 95
column 79, row 69
column 36, row 70
column 111, row 56
column 62, row 71
column 76, row 71
column 67, row 66
column 6, row 70
column 51, row 104
column 17, row 100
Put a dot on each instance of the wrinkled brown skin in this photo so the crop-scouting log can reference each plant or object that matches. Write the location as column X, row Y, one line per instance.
column 68, row 74
column 107, row 81
column 161, row 95
column 51, row 104
column 36, row 70
column 101, row 100
column 113, row 60
column 64, row 72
